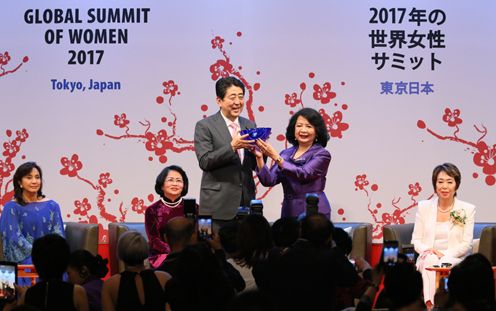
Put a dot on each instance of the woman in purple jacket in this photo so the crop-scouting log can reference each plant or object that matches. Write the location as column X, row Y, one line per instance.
column 302, row 168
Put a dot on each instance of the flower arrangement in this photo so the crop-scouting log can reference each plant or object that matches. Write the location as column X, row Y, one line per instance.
column 458, row 217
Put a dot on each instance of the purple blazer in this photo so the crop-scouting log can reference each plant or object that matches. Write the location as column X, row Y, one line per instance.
column 299, row 177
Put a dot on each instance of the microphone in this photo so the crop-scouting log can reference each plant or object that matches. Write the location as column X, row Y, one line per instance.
column 312, row 200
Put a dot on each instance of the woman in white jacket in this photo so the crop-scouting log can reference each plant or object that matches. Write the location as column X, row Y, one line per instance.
column 444, row 227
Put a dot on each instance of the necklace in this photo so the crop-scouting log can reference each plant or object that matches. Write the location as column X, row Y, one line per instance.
column 447, row 210
column 172, row 205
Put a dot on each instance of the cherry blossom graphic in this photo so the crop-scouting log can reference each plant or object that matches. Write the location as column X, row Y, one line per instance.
column 376, row 210
column 11, row 149
column 162, row 140
column 224, row 68
column 83, row 208
column 322, row 94
column 484, row 154
column 5, row 59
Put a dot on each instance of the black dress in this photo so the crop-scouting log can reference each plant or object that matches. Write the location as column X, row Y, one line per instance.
column 128, row 298
column 51, row 295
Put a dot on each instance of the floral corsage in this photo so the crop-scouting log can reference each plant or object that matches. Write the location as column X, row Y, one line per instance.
column 458, row 217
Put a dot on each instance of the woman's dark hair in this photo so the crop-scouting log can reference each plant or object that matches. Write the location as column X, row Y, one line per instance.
column 23, row 170
column 96, row 265
column 451, row 170
column 315, row 119
column 50, row 255
column 159, row 183
column 254, row 240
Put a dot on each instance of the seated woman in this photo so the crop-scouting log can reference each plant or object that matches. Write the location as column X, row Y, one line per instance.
column 29, row 216
column 88, row 270
column 51, row 257
column 136, row 288
column 302, row 168
column 171, row 185
column 444, row 227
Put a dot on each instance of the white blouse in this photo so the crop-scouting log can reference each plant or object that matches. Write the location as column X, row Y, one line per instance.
column 441, row 236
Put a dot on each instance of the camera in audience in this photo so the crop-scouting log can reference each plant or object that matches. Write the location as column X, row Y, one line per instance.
column 255, row 208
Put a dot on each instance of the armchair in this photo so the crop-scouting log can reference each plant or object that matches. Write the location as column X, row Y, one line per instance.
column 361, row 235
column 115, row 230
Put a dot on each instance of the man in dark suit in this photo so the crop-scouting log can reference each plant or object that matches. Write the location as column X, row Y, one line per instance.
column 223, row 155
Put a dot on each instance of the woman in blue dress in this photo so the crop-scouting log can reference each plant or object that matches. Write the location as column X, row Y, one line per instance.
column 28, row 216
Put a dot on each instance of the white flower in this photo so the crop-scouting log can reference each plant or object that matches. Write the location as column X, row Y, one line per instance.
column 458, row 217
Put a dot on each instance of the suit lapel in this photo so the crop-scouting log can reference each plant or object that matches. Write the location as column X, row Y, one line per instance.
column 220, row 125
column 242, row 123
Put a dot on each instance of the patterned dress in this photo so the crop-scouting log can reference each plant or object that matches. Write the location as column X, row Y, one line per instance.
column 156, row 217
column 21, row 225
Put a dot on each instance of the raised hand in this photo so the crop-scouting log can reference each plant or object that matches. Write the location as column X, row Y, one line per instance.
column 267, row 149
column 239, row 142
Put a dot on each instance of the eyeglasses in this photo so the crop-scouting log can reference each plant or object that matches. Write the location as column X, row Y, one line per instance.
column 172, row 180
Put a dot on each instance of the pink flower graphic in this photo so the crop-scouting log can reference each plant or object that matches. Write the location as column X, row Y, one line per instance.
column 361, row 181
column 217, row 42
column 138, row 205
column 10, row 148
column 414, row 189
column 170, row 88
column 323, row 93
column 334, row 125
column 158, row 143
column 221, row 68
column 104, row 180
column 291, row 100
column 396, row 218
column 22, row 135
column 4, row 58
column 82, row 207
column 452, row 117
column 5, row 168
column 485, row 157
column 121, row 120
column 72, row 166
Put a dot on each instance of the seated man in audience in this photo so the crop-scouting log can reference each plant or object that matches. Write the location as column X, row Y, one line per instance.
column 471, row 285
column 179, row 233
column 403, row 287
column 307, row 274
column 285, row 231
column 198, row 283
